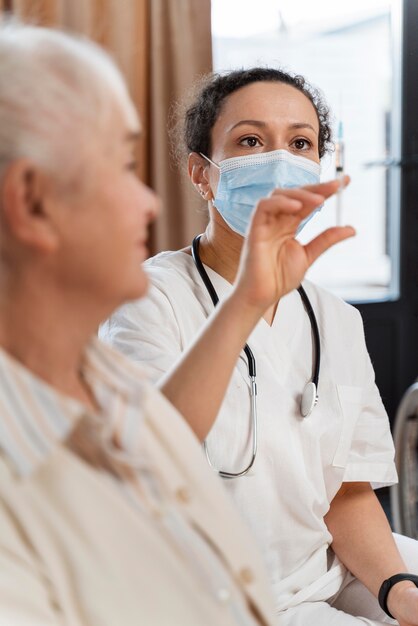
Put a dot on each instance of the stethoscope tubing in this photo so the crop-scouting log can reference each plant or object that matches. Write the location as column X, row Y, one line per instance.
column 252, row 362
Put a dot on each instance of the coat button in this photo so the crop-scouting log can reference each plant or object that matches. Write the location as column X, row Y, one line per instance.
column 224, row 595
column 246, row 576
column 183, row 495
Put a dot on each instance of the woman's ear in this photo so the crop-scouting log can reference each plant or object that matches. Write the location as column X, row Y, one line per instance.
column 25, row 203
column 198, row 169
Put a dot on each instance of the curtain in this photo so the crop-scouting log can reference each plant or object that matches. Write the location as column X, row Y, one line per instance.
column 161, row 46
column 180, row 52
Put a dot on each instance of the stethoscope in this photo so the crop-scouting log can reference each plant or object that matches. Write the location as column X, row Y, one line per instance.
column 310, row 393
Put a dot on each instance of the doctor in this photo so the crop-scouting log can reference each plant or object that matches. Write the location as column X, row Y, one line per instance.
column 307, row 493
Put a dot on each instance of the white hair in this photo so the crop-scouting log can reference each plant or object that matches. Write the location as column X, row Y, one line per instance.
column 57, row 93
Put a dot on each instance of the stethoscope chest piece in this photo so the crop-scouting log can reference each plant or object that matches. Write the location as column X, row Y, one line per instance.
column 309, row 399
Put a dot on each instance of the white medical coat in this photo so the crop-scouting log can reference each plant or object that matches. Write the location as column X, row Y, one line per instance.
column 301, row 462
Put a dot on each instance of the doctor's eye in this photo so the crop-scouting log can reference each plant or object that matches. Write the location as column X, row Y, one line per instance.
column 250, row 141
column 302, row 144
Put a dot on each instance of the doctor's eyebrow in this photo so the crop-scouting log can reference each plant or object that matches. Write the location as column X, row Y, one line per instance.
column 248, row 123
column 261, row 124
column 298, row 125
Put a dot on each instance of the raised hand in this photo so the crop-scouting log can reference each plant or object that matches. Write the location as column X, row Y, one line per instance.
column 273, row 262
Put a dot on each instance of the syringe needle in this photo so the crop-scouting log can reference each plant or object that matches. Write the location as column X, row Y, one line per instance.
column 339, row 172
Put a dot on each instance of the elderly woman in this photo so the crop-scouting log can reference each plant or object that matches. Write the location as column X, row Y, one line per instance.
column 323, row 436
column 108, row 513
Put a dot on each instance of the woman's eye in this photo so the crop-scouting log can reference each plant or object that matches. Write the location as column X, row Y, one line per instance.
column 302, row 144
column 250, row 142
column 132, row 165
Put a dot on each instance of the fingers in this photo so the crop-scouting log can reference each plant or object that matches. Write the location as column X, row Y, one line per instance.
column 296, row 202
column 326, row 240
column 308, row 198
column 325, row 190
column 277, row 208
column 299, row 202
column 330, row 187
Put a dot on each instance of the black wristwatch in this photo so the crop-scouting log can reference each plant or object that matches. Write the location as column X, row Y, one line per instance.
column 387, row 586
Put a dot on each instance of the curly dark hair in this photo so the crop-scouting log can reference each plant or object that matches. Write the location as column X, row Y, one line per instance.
column 199, row 118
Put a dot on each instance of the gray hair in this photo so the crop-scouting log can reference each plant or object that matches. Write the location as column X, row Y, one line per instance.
column 57, row 92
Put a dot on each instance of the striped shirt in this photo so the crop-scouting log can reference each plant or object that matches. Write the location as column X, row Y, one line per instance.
column 35, row 419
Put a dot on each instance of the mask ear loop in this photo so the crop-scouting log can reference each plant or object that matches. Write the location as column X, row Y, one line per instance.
column 212, row 163
column 209, row 160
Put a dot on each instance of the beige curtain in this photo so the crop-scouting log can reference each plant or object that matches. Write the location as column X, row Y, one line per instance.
column 5, row 5
column 180, row 48
column 162, row 46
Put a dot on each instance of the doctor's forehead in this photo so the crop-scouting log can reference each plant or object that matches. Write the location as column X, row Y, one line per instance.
column 264, row 103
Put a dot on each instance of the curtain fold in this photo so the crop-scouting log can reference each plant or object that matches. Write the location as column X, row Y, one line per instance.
column 181, row 51
column 5, row 5
column 162, row 47
column 40, row 12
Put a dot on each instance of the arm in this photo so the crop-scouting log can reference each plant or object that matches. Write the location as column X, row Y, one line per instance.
column 272, row 264
column 363, row 541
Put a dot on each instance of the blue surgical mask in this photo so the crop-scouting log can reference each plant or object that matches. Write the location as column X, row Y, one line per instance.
column 245, row 180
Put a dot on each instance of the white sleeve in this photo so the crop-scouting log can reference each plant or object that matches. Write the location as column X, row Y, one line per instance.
column 146, row 331
column 372, row 452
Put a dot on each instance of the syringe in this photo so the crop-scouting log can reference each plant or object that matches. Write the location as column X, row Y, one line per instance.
column 339, row 172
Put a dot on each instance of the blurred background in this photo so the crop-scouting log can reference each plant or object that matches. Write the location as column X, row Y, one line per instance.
column 363, row 55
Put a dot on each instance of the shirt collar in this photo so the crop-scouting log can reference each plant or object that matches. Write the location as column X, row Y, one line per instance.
column 36, row 418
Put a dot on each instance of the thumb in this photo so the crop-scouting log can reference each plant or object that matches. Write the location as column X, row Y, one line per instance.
column 326, row 240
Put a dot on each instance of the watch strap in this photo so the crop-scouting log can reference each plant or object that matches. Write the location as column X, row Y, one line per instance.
column 387, row 585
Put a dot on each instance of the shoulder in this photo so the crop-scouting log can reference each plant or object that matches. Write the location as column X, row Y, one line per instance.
column 174, row 281
column 169, row 276
column 340, row 328
column 168, row 268
column 330, row 307
column 174, row 289
column 172, row 311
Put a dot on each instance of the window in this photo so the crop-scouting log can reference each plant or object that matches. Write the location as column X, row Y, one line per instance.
column 351, row 51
